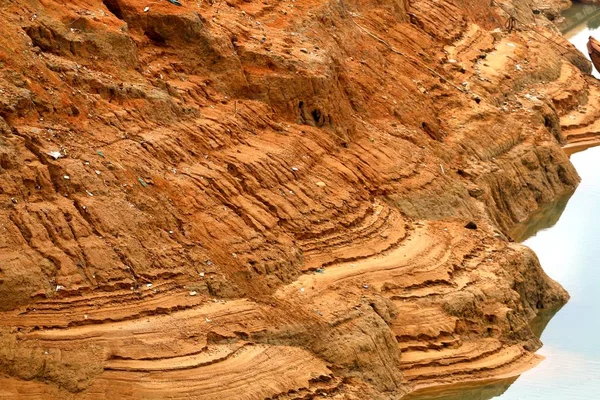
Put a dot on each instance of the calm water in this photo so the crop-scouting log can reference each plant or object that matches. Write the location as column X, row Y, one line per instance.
column 581, row 22
column 566, row 237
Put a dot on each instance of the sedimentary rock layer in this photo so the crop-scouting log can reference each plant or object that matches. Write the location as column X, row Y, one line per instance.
column 251, row 200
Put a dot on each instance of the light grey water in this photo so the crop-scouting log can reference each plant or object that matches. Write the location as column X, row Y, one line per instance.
column 581, row 22
column 566, row 237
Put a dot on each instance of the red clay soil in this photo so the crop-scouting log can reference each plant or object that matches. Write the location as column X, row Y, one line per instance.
column 268, row 200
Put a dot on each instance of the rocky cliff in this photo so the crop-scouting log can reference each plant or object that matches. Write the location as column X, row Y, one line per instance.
column 268, row 199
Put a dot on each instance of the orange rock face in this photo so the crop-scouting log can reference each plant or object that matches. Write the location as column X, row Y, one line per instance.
column 250, row 200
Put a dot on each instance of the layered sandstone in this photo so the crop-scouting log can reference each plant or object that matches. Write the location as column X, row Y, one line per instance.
column 251, row 200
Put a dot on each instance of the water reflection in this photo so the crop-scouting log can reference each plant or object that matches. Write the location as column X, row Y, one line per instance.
column 465, row 391
column 581, row 22
column 546, row 217
column 594, row 23
column 578, row 15
column 540, row 322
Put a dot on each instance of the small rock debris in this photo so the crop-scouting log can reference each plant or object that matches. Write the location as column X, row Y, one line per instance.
column 55, row 154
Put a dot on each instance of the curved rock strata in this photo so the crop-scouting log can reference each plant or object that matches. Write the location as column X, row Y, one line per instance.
column 269, row 200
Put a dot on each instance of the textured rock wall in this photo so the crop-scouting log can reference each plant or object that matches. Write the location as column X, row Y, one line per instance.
column 272, row 195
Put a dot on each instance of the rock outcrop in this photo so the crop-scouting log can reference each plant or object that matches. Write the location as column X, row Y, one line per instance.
column 251, row 200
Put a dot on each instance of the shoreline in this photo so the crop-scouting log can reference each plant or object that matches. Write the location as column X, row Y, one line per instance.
column 535, row 360
column 576, row 147
column 572, row 146
column 426, row 391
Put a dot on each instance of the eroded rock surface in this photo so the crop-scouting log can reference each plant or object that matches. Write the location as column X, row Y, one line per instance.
column 250, row 200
